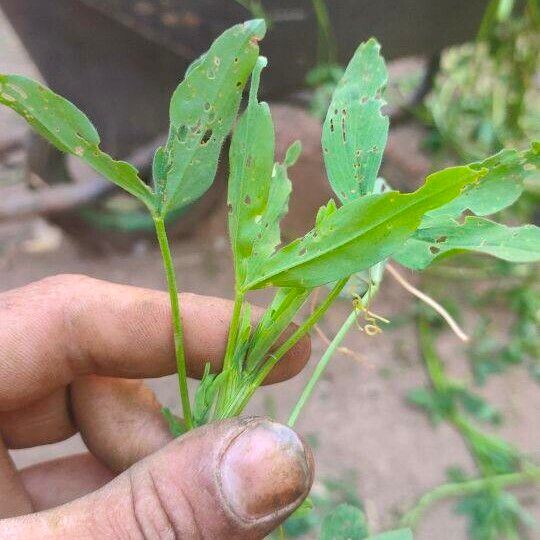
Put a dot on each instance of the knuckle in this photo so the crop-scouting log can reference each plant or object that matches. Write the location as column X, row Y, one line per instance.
column 61, row 282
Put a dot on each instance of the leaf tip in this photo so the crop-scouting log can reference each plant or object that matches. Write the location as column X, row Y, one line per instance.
column 293, row 153
column 256, row 27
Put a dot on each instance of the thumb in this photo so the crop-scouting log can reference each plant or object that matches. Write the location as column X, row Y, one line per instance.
column 238, row 478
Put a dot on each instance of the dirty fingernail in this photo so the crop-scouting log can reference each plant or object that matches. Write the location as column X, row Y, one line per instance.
column 266, row 472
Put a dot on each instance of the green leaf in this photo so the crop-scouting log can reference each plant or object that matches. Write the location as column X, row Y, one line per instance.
column 206, row 395
column 494, row 514
column 501, row 187
column 355, row 131
column 399, row 534
column 435, row 404
column 304, row 509
column 514, row 244
column 70, row 130
column 251, row 159
column 176, row 426
column 359, row 234
column 202, row 111
column 477, row 406
column 259, row 190
column 346, row 522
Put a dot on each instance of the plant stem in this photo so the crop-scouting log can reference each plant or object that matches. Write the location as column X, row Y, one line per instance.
column 233, row 329
column 459, row 489
column 302, row 330
column 245, row 394
column 255, row 7
column 327, row 46
column 230, row 350
column 176, row 320
column 429, row 301
column 321, row 366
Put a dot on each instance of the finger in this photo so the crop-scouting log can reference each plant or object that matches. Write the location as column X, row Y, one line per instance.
column 68, row 326
column 44, row 421
column 234, row 479
column 14, row 501
column 110, row 413
column 120, row 420
column 62, row 480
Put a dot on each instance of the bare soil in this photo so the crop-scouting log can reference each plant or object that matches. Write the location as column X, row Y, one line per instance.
column 358, row 420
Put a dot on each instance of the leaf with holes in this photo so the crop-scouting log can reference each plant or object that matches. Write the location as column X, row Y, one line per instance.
column 259, row 190
column 359, row 234
column 202, row 111
column 514, row 244
column 501, row 187
column 70, row 130
column 251, row 159
column 355, row 131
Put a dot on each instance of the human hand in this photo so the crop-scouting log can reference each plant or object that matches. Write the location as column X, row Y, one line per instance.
column 70, row 347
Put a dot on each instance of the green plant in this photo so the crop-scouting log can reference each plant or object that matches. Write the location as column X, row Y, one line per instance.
column 491, row 510
column 485, row 96
column 371, row 224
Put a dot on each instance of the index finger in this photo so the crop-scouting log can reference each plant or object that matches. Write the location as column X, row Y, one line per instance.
column 57, row 329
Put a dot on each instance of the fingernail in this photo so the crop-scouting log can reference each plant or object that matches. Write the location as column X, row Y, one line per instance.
column 266, row 472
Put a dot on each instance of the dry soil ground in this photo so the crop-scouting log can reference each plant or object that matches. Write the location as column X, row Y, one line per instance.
column 358, row 419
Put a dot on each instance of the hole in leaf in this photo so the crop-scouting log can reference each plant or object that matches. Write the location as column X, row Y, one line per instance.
column 207, row 106
column 206, row 137
column 247, row 200
column 229, row 208
column 302, row 252
column 332, row 125
column 434, row 249
column 441, row 239
column 181, row 133
column 238, row 84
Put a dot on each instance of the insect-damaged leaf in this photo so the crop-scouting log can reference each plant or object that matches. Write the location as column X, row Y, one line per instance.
column 258, row 190
column 501, row 187
column 355, row 131
column 202, row 112
column 359, row 234
column 251, row 159
column 69, row 129
column 514, row 244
